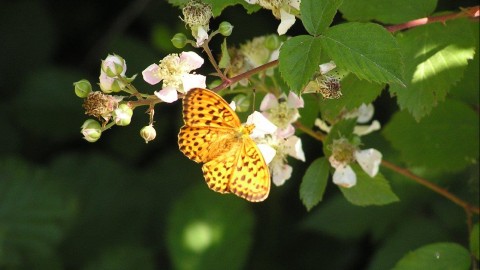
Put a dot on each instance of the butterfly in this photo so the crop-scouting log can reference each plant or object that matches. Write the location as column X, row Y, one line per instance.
column 213, row 135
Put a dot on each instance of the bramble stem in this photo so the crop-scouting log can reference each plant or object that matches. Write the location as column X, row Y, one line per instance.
column 471, row 12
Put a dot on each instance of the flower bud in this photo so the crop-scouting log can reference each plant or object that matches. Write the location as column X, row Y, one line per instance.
column 91, row 130
column 82, row 88
column 109, row 84
column 123, row 115
column 114, row 65
column 148, row 133
column 272, row 42
column 242, row 103
column 225, row 28
column 179, row 40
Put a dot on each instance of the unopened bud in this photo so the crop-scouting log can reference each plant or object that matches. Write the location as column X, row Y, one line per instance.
column 123, row 115
column 179, row 40
column 272, row 42
column 148, row 133
column 91, row 130
column 82, row 88
column 225, row 28
column 114, row 65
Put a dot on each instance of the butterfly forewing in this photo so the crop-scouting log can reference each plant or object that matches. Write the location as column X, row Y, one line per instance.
column 202, row 107
column 213, row 135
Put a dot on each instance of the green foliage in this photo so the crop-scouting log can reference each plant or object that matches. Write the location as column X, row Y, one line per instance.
column 299, row 59
column 318, row 15
column 365, row 49
column 389, row 12
column 444, row 141
column 369, row 190
column 202, row 227
column 34, row 215
column 314, row 183
column 436, row 256
column 437, row 57
column 474, row 241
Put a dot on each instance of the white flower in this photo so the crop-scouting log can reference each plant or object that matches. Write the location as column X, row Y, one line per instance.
column 282, row 111
column 285, row 10
column 174, row 70
column 368, row 159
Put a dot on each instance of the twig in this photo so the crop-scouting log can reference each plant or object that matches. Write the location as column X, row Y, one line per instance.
column 472, row 12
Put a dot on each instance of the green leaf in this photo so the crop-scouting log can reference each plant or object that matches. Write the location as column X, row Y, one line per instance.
column 467, row 89
column 389, row 12
column 203, row 225
column 355, row 92
column 367, row 50
column 318, row 15
column 225, row 59
column 437, row 56
column 314, row 182
column 437, row 256
column 299, row 59
column 446, row 140
column 474, row 239
column 368, row 190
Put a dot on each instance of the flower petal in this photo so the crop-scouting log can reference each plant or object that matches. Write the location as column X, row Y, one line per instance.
column 267, row 151
column 361, row 130
column 167, row 94
column 280, row 172
column 287, row 20
column 294, row 148
column 322, row 125
column 326, row 67
column 294, row 101
column 200, row 35
column 369, row 160
column 190, row 81
column 192, row 59
column 268, row 102
column 150, row 74
column 262, row 125
column 365, row 113
column 344, row 176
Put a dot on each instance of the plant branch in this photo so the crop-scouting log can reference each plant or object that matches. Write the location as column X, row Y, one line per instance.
column 442, row 191
column 471, row 12
column 230, row 81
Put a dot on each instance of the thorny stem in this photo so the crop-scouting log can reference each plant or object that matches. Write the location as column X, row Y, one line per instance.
column 228, row 82
column 471, row 12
